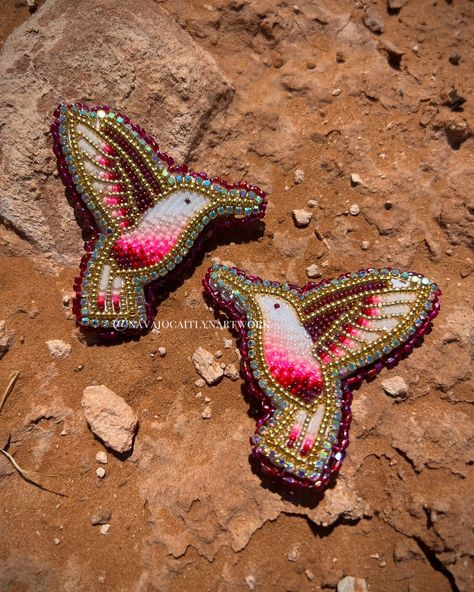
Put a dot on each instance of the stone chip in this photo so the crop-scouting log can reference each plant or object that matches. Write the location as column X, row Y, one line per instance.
column 207, row 367
column 313, row 271
column 351, row 584
column 109, row 417
column 395, row 386
column 302, row 218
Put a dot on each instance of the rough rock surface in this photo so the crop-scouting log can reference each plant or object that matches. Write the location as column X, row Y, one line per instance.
column 141, row 62
column 193, row 510
column 110, row 418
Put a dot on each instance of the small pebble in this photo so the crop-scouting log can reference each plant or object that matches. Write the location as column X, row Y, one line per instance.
column 374, row 21
column 309, row 574
column 218, row 354
column 299, row 176
column 104, row 528
column 355, row 179
column 101, row 579
column 228, row 343
column 231, row 371
column 302, row 218
column 340, row 57
column 294, row 553
column 207, row 399
column 395, row 4
column 200, row 382
column 207, row 366
column 101, row 457
column 58, row 348
column 207, row 412
column 351, row 584
column 354, row 210
column 395, row 386
column 364, row 245
column 313, row 271
column 250, row 582
column 57, row 541
column 162, row 352
column 312, row 203
column 109, row 417
column 102, row 517
column 100, row 472
column 336, row 92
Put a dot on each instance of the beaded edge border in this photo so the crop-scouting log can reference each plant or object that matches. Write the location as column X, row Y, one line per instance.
column 346, row 384
column 88, row 223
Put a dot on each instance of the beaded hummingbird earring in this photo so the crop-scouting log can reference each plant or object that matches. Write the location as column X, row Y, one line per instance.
column 146, row 214
column 303, row 349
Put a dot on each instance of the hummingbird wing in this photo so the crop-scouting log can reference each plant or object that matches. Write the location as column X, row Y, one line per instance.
column 359, row 319
column 114, row 167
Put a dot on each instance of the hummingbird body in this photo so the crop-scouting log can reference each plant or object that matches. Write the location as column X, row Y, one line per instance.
column 303, row 348
column 288, row 347
column 145, row 212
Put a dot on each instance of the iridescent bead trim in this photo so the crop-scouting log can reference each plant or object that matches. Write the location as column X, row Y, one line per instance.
column 144, row 213
column 303, row 349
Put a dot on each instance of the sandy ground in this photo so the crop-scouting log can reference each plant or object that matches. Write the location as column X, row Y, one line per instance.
column 413, row 155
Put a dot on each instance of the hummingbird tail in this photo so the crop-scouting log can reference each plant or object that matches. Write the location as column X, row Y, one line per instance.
column 303, row 439
column 108, row 298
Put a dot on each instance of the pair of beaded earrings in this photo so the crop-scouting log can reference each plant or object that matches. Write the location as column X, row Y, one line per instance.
column 303, row 348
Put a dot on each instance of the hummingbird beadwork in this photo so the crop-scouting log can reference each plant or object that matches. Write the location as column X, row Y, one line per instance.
column 304, row 348
column 145, row 213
